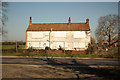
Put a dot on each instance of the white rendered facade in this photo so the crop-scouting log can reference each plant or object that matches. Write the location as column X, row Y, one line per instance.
column 68, row 40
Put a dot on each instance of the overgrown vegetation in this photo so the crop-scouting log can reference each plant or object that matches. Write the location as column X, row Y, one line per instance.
column 107, row 55
column 9, row 50
column 90, row 49
column 50, row 55
column 13, row 43
column 47, row 48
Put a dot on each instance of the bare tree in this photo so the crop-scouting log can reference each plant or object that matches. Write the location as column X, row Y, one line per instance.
column 119, row 27
column 3, row 16
column 93, row 40
column 107, row 28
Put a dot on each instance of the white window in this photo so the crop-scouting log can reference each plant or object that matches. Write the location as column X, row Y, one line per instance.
column 41, row 44
column 79, row 45
column 66, row 44
column 60, row 34
column 29, row 44
column 80, row 34
column 46, row 33
column 37, row 35
column 76, row 45
column 82, row 45
column 59, row 44
column 35, row 44
column 44, row 44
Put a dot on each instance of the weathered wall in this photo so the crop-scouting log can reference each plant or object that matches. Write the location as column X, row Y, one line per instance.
column 69, row 40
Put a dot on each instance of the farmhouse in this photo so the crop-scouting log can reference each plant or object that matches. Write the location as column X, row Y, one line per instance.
column 69, row 36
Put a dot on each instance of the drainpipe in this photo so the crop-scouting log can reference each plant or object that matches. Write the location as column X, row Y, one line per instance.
column 50, row 37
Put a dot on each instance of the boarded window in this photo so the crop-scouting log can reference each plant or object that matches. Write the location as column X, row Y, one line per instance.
column 58, row 44
column 37, row 35
column 66, row 44
column 79, row 45
column 82, row 45
column 29, row 44
column 79, row 34
column 60, row 34
column 35, row 44
column 76, row 45
column 41, row 44
column 44, row 44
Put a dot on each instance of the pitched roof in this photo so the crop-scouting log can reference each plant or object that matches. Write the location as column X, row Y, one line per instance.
column 59, row 27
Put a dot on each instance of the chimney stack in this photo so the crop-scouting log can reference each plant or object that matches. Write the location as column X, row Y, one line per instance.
column 87, row 21
column 69, row 20
column 30, row 21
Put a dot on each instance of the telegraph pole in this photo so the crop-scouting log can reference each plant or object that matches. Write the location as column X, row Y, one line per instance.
column 16, row 46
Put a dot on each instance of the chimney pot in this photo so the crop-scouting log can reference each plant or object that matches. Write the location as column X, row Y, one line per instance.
column 87, row 21
column 30, row 21
column 69, row 20
column 30, row 18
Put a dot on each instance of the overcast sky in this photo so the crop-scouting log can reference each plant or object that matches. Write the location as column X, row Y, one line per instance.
column 54, row 12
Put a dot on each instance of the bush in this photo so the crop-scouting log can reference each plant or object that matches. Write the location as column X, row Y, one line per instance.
column 25, row 51
column 90, row 49
column 47, row 48
column 13, row 43
column 30, row 49
column 60, row 48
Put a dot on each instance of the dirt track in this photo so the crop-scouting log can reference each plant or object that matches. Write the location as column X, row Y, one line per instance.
column 63, row 68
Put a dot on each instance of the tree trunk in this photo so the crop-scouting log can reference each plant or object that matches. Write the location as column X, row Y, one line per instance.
column 109, row 40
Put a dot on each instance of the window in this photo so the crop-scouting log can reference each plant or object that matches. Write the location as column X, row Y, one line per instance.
column 44, row 44
column 80, row 34
column 79, row 45
column 59, row 44
column 76, row 45
column 82, row 45
column 60, row 34
column 29, row 44
column 66, row 44
column 35, row 44
column 37, row 35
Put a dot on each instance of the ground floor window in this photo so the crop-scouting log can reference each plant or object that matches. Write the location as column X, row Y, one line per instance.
column 79, row 45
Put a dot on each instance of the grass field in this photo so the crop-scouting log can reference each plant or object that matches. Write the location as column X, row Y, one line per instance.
column 12, row 46
column 64, row 55
column 52, row 55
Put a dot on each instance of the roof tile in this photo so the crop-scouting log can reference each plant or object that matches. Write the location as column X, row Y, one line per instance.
column 59, row 27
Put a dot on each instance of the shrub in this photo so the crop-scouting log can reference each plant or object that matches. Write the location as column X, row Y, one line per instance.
column 13, row 43
column 30, row 49
column 47, row 48
column 90, row 49
column 37, row 51
column 25, row 51
column 60, row 48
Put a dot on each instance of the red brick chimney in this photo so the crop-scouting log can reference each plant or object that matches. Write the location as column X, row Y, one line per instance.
column 30, row 21
column 87, row 21
column 69, row 20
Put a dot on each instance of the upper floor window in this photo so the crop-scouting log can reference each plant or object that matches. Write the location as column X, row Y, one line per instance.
column 37, row 35
column 80, row 34
column 60, row 34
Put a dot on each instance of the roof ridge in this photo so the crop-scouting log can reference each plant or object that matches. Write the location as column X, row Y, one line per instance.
column 57, row 23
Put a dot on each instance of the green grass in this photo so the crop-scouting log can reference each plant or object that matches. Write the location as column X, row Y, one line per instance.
column 64, row 55
column 52, row 55
column 12, row 46
column 9, row 54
